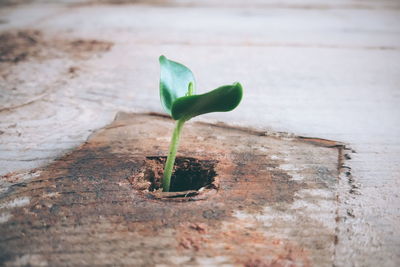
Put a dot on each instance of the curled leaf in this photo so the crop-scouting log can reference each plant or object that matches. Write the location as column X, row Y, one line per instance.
column 224, row 98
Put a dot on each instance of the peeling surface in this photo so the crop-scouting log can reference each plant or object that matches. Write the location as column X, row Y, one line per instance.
column 260, row 216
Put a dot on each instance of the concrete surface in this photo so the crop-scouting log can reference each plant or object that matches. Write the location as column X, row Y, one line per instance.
column 329, row 70
column 273, row 201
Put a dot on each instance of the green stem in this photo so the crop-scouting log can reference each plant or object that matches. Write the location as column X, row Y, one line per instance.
column 169, row 165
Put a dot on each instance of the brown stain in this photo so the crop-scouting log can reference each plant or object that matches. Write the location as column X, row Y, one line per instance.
column 247, row 247
column 23, row 45
column 82, row 48
column 89, row 188
column 33, row 48
column 20, row 45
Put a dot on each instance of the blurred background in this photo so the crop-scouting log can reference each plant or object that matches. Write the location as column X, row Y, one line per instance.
column 327, row 69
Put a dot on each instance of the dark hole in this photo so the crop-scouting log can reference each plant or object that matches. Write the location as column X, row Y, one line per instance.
column 188, row 174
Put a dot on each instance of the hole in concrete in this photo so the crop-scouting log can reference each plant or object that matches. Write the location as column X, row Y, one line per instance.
column 188, row 174
column 190, row 177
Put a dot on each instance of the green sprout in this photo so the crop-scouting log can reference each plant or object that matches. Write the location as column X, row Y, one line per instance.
column 177, row 93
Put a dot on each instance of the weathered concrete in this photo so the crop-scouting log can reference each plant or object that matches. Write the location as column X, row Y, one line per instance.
column 275, row 204
column 308, row 67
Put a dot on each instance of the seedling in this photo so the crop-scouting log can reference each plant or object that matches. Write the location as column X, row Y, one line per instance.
column 177, row 93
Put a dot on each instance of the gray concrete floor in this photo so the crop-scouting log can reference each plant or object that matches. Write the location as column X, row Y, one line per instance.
column 313, row 68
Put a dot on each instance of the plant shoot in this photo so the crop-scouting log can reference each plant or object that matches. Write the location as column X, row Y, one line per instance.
column 177, row 94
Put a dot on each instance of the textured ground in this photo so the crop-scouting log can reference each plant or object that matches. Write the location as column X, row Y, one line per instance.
column 329, row 70
column 274, row 202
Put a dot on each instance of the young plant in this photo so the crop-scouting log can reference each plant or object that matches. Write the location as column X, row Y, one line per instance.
column 177, row 93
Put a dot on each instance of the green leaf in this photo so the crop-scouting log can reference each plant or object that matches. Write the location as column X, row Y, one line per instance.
column 174, row 82
column 224, row 98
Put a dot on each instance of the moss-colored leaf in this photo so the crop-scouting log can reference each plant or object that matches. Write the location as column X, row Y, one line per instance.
column 174, row 82
column 224, row 98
